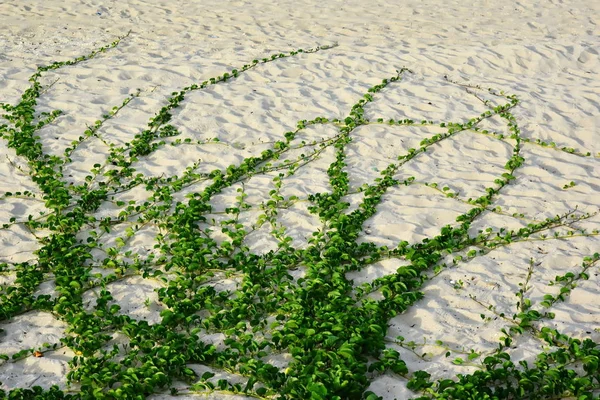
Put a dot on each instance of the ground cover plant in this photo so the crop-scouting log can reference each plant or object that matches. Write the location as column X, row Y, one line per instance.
column 293, row 301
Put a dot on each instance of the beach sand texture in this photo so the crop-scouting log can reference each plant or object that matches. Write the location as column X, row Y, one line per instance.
column 547, row 55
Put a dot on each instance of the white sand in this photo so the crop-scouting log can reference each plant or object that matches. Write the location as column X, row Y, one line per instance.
column 547, row 55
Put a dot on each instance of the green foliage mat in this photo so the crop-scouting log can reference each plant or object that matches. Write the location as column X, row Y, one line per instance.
column 333, row 330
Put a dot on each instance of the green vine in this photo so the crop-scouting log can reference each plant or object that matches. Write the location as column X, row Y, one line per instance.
column 290, row 301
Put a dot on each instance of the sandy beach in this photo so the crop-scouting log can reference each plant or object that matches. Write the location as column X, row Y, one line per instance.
column 446, row 56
